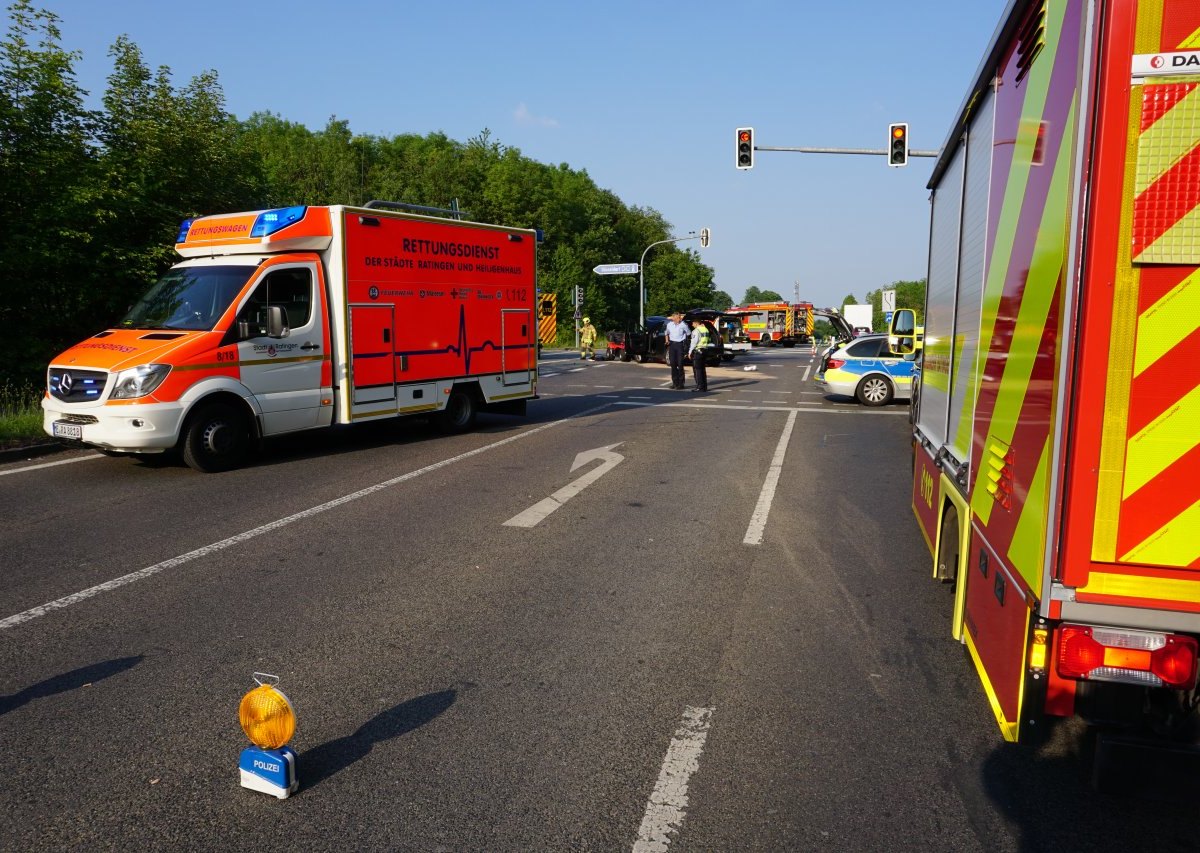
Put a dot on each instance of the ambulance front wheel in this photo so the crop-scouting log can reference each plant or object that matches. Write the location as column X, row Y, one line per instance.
column 459, row 413
column 216, row 438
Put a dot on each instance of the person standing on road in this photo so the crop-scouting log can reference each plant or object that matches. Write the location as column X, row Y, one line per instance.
column 701, row 340
column 677, row 340
column 587, row 340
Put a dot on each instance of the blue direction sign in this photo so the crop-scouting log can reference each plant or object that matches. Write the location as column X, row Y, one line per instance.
column 616, row 269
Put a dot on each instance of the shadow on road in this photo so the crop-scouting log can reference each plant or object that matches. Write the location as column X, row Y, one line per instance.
column 72, row 680
column 1046, row 792
column 321, row 762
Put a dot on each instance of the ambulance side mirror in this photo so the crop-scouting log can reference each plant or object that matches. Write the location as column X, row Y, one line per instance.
column 277, row 326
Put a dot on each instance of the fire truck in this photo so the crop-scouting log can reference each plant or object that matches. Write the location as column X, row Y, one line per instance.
column 771, row 323
column 306, row 317
column 1056, row 467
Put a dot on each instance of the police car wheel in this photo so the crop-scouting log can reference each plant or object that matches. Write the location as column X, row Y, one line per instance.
column 874, row 391
column 216, row 438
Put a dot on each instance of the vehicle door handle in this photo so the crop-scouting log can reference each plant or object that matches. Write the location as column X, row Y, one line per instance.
column 310, row 346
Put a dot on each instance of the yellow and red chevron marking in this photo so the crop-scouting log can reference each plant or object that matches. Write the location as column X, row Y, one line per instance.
column 1159, row 507
column 1166, row 210
column 1160, row 494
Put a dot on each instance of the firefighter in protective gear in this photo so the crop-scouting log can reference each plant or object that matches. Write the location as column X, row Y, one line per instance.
column 587, row 340
column 701, row 341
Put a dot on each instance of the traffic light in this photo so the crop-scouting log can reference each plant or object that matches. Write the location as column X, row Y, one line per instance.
column 705, row 236
column 579, row 294
column 744, row 148
column 898, row 144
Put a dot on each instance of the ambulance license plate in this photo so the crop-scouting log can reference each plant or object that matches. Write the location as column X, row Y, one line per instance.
column 62, row 429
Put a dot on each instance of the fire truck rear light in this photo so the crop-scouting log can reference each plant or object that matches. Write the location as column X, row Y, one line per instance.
column 1037, row 650
column 1124, row 655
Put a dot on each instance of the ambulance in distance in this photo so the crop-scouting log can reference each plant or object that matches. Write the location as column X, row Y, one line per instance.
column 301, row 318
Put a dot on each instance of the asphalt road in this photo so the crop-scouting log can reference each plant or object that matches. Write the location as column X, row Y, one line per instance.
column 726, row 640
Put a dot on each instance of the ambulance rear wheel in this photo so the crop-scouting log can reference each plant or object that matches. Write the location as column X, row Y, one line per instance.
column 459, row 413
column 216, row 438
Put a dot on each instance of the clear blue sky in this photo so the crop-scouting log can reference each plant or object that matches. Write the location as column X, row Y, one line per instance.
column 644, row 96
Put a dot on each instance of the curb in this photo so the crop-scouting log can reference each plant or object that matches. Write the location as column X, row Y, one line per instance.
column 16, row 454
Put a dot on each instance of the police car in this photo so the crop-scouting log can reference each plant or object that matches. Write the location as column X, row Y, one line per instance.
column 867, row 369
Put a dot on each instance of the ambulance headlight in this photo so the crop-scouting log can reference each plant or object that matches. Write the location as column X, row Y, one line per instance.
column 139, row 381
column 267, row 717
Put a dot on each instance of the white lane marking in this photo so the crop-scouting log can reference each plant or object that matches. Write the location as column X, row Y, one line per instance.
column 758, row 520
column 541, row 510
column 576, row 369
column 814, row 408
column 667, row 806
column 807, row 371
column 632, row 397
column 779, row 392
column 51, row 464
column 604, row 386
column 149, row 571
column 609, row 396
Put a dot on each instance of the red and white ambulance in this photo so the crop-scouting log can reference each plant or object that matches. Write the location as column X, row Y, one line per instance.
column 304, row 317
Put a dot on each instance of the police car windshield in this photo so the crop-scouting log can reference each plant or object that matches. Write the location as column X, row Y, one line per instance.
column 188, row 298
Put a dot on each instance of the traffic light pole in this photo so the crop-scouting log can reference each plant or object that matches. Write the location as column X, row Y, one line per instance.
column 882, row 152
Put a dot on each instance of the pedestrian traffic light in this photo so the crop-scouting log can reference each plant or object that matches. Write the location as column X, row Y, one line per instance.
column 744, row 148
column 898, row 144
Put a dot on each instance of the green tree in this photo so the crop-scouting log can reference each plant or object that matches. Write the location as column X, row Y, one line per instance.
column 166, row 154
column 46, row 192
column 909, row 294
column 754, row 294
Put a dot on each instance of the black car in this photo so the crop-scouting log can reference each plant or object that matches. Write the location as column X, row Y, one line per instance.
column 640, row 343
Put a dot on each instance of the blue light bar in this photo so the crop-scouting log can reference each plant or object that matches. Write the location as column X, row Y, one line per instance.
column 184, row 227
column 270, row 221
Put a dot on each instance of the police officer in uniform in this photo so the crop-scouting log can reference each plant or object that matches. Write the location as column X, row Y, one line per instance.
column 701, row 340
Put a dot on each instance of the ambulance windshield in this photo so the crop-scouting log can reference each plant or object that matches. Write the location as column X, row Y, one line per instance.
column 188, row 298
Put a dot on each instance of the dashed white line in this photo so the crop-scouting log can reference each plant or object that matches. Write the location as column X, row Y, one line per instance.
column 758, row 520
column 668, row 803
column 51, row 464
column 141, row 574
column 807, row 371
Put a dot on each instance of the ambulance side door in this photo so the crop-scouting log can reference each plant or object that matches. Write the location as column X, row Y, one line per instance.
column 284, row 374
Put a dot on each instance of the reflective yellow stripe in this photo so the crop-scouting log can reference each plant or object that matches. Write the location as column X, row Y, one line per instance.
column 1191, row 42
column 1120, row 364
column 1049, row 256
column 1168, row 321
column 1007, row 729
column 1026, row 551
column 1176, row 544
column 1152, row 589
column 1162, row 442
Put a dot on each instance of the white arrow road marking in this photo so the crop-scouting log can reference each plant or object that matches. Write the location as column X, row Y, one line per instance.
column 543, row 508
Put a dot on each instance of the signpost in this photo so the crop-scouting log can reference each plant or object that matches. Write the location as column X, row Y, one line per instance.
column 616, row 269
